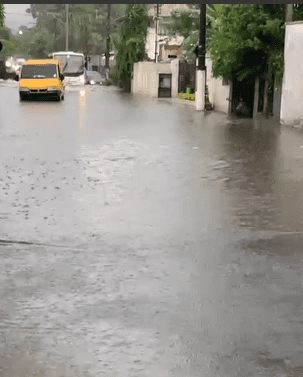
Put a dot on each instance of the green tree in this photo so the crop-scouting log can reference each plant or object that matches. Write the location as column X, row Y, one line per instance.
column 34, row 43
column 244, row 39
column 185, row 22
column 248, row 40
column 130, row 43
column 2, row 15
column 87, row 24
column 8, row 42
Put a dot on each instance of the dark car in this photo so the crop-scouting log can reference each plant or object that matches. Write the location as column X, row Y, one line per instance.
column 95, row 78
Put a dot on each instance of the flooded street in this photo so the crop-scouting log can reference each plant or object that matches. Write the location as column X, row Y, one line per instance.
column 140, row 237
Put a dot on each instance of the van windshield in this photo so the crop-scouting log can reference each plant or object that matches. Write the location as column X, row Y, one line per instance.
column 37, row 71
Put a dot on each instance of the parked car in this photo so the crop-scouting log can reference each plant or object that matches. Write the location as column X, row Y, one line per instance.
column 95, row 78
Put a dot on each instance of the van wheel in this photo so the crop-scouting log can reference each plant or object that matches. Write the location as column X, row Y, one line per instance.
column 21, row 97
column 62, row 98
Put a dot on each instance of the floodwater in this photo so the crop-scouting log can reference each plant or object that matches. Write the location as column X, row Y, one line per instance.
column 140, row 238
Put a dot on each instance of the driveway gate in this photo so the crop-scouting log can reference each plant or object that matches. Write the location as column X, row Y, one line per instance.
column 187, row 76
column 164, row 85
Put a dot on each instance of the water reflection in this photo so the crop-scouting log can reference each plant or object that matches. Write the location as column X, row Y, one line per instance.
column 251, row 175
column 251, row 154
column 274, row 271
column 80, row 132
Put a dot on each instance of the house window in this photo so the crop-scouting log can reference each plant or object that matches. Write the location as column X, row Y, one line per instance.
column 172, row 56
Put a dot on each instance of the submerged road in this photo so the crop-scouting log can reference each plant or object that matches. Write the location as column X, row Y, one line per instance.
column 139, row 237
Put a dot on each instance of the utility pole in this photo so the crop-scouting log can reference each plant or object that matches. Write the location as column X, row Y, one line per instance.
column 66, row 40
column 156, row 31
column 107, row 42
column 288, row 12
column 201, row 72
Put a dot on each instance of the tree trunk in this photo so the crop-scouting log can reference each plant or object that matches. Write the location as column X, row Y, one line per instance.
column 256, row 119
column 256, row 97
column 230, row 99
column 265, row 105
column 277, row 99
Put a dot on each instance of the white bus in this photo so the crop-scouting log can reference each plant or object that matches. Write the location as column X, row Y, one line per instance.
column 73, row 67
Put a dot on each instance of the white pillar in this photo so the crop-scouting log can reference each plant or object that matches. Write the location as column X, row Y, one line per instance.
column 200, row 90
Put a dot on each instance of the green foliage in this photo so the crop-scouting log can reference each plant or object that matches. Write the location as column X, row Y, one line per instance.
column 185, row 22
column 187, row 96
column 34, row 43
column 248, row 41
column 2, row 15
column 9, row 48
column 87, row 25
column 8, row 42
column 130, row 43
column 42, row 43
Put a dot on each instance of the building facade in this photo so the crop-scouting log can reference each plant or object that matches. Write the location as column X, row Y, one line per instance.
column 159, row 43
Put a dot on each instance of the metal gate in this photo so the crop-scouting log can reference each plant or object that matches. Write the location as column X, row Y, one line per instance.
column 164, row 85
column 187, row 76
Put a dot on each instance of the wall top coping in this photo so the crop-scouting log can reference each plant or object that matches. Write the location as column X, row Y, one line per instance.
column 294, row 22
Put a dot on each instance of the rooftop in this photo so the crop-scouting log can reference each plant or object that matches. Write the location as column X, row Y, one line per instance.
column 42, row 61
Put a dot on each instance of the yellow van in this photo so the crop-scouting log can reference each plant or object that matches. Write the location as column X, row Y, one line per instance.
column 41, row 77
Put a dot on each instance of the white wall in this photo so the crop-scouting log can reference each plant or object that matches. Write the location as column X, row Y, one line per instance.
column 292, row 85
column 218, row 93
column 145, row 79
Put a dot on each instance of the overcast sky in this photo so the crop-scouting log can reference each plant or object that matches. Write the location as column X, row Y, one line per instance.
column 15, row 16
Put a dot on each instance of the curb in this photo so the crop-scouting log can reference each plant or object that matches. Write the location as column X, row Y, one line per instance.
column 183, row 101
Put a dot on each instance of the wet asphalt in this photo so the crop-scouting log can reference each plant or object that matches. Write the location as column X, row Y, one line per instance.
column 139, row 237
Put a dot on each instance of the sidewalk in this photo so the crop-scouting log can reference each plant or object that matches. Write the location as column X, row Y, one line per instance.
column 260, row 122
column 183, row 101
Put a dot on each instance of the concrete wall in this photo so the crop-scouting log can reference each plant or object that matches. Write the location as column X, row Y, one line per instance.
column 165, row 51
column 292, row 85
column 218, row 93
column 145, row 79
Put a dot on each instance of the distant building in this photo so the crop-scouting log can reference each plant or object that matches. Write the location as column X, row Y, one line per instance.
column 166, row 47
column 97, row 62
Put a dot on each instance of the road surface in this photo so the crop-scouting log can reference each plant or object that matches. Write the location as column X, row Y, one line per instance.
column 140, row 237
